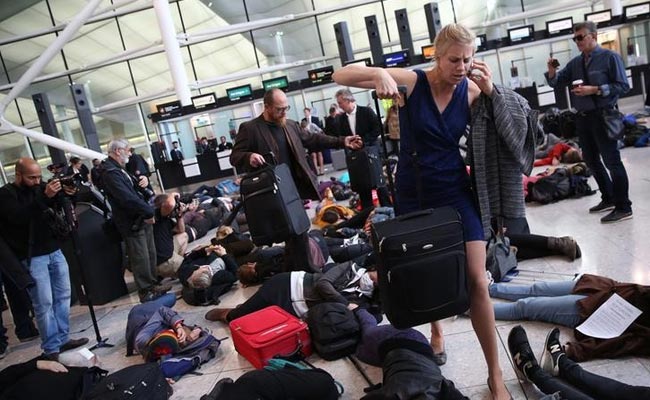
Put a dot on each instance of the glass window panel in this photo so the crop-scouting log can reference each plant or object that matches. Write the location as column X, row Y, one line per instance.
column 267, row 9
column 209, row 56
column 38, row 18
column 19, row 56
column 90, row 45
column 152, row 74
column 141, row 29
column 12, row 147
column 288, row 43
column 65, row 10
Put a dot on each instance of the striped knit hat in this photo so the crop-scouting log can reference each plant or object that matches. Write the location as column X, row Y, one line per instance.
column 164, row 343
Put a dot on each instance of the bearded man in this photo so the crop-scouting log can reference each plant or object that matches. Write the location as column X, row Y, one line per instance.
column 273, row 132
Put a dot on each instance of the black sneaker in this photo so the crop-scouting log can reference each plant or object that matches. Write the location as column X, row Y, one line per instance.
column 602, row 206
column 616, row 216
column 73, row 344
column 522, row 354
column 149, row 296
column 553, row 351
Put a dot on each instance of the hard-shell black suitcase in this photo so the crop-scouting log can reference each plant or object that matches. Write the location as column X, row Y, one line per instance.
column 273, row 207
column 421, row 269
column 364, row 167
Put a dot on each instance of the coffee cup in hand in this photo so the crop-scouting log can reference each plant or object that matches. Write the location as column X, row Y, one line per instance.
column 576, row 83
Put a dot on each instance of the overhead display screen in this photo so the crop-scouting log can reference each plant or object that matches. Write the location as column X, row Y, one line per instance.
column 240, row 93
column 637, row 11
column 599, row 17
column 321, row 75
column 521, row 34
column 558, row 27
column 397, row 59
column 364, row 61
column 275, row 83
column 428, row 51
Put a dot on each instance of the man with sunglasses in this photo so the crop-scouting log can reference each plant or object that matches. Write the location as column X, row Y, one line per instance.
column 603, row 80
column 273, row 132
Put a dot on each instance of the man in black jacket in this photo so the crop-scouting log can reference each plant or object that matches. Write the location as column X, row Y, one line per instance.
column 26, row 230
column 362, row 121
column 273, row 132
column 133, row 217
column 177, row 154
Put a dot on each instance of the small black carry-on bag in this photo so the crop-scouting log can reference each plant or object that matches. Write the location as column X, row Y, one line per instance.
column 273, row 207
column 422, row 266
column 364, row 166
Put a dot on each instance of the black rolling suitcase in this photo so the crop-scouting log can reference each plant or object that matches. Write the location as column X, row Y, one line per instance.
column 364, row 167
column 274, row 210
column 422, row 267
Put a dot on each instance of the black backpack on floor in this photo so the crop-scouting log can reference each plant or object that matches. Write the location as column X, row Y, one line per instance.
column 335, row 331
column 142, row 381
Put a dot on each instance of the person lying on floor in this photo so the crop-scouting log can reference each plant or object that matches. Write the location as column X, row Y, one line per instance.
column 569, row 303
column 560, row 153
column 410, row 369
column 562, row 378
column 155, row 330
column 211, row 269
column 39, row 378
column 296, row 291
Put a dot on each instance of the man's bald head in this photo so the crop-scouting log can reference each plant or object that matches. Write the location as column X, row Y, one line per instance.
column 28, row 172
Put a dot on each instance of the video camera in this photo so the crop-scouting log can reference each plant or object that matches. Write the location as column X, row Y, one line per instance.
column 58, row 172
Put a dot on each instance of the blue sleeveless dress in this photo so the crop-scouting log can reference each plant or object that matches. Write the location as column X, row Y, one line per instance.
column 435, row 136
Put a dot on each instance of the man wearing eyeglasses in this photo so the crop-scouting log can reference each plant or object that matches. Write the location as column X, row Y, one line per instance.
column 601, row 79
column 273, row 132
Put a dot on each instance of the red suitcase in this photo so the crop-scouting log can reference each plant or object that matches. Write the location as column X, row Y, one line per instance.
column 269, row 332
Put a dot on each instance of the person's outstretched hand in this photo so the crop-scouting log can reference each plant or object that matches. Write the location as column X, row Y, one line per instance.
column 54, row 366
column 353, row 142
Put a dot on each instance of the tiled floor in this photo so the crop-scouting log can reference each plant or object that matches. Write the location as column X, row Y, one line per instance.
column 619, row 251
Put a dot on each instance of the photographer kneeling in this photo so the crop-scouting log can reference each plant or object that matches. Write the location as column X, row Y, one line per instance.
column 169, row 234
column 27, row 206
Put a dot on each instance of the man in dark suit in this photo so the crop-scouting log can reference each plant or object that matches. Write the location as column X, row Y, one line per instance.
column 311, row 119
column 362, row 121
column 224, row 145
column 176, row 153
column 273, row 132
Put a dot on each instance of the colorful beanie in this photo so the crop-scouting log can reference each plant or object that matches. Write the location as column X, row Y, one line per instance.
column 162, row 344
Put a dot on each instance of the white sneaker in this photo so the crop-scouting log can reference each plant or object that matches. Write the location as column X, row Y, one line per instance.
column 488, row 276
column 350, row 241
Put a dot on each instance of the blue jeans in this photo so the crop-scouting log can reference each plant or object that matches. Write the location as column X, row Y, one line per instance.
column 51, row 299
column 595, row 143
column 541, row 301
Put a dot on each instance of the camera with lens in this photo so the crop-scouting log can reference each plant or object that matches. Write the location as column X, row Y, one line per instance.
column 179, row 208
column 58, row 171
column 146, row 192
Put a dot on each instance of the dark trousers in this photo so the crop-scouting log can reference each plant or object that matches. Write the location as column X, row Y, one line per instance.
column 574, row 383
column 530, row 246
column 341, row 253
column 141, row 250
column 296, row 254
column 598, row 148
column 21, row 307
column 274, row 292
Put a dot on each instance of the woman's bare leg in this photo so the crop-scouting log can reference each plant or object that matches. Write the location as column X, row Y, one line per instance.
column 482, row 315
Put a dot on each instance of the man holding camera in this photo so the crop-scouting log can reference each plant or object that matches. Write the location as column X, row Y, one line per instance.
column 133, row 217
column 25, row 228
column 169, row 234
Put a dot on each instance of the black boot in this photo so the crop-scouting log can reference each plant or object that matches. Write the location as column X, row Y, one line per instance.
column 566, row 246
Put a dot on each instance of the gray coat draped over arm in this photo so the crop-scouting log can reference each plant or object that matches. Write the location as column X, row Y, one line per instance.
column 501, row 148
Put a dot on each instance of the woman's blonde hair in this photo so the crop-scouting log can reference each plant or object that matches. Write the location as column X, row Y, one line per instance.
column 450, row 34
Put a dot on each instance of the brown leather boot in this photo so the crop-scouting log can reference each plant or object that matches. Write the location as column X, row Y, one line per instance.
column 565, row 245
column 218, row 314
